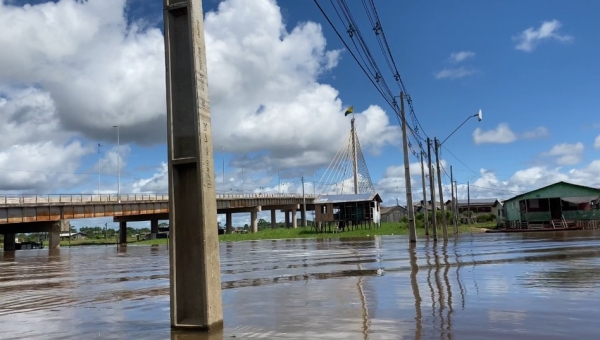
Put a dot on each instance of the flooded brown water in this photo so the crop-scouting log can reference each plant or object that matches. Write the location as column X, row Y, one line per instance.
column 482, row 286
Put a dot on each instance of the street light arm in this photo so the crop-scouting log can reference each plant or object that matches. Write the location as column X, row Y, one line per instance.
column 463, row 123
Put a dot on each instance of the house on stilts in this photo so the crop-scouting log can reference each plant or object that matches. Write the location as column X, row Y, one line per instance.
column 559, row 205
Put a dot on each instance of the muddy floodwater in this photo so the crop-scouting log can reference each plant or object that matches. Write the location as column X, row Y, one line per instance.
column 481, row 286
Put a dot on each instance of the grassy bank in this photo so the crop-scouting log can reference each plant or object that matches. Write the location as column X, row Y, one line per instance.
column 284, row 233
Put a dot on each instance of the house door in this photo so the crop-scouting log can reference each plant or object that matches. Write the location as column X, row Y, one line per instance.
column 523, row 210
column 555, row 208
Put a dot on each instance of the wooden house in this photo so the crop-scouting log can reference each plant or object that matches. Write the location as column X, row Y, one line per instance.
column 338, row 212
column 556, row 205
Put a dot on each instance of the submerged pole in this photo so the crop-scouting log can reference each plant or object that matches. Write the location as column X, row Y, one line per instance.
column 195, row 275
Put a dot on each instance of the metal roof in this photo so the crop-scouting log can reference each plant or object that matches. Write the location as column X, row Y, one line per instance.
column 347, row 198
column 385, row 210
column 478, row 201
column 551, row 185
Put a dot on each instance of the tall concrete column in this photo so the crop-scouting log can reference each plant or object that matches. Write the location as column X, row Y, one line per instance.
column 287, row 218
column 254, row 221
column 273, row 219
column 195, row 275
column 122, row 232
column 54, row 230
column 228, row 223
column 153, row 229
column 294, row 219
column 9, row 242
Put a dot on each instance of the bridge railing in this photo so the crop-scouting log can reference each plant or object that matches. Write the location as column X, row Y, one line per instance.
column 93, row 198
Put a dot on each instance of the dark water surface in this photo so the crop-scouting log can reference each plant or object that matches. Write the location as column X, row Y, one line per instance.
column 482, row 286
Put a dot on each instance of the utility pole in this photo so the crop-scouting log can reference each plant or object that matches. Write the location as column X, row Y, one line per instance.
column 303, row 205
column 456, row 203
column 118, row 163
column 278, row 177
column 99, row 145
column 354, row 156
column 452, row 202
column 442, row 205
column 468, row 203
column 432, row 188
column 412, row 230
column 242, row 180
column 223, row 158
column 425, row 217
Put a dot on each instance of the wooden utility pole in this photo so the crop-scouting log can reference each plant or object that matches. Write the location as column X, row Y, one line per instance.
column 442, row 205
column 468, row 203
column 425, row 217
column 195, row 275
column 412, row 230
column 452, row 206
column 432, row 189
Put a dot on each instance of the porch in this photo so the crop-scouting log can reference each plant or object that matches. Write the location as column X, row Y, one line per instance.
column 556, row 212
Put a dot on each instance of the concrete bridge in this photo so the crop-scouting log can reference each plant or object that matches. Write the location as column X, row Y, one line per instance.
column 51, row 213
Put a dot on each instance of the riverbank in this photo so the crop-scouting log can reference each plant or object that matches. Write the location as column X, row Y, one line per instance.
column 285, row 233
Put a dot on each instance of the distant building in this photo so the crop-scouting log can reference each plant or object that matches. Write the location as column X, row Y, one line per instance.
column 555, row 205
column 392, row 214
column 73, row 236
column 343, row 211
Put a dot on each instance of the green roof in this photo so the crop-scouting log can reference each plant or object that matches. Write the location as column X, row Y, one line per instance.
column 552, row 185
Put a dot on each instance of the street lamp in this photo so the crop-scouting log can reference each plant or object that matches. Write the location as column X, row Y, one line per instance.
column 118, row 164
column 438, row 145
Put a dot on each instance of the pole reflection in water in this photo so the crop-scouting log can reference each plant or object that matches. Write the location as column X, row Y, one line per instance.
column 414, row 269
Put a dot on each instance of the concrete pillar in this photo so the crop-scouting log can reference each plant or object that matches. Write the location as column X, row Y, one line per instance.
column 54, row 230
column 9, row 242
column 153, row 229
column 195, row 275
column 273, row 219
column 294, row 219
column 254, row 221
column 228, row 223
column 287, row 219
column 122, row 232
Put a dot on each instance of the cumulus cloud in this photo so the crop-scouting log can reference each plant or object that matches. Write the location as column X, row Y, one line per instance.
column 566, row 154
column 597, row 142
column 457, row 57
column 502, row 134
column 71, row 70
column 454, row 73
column 528, row 40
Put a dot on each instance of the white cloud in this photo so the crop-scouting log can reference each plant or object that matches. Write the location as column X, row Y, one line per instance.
column 502, row 134
column 597, row 142
column 71, row 70
column 454, row 73
column 538, row 132
column 567, row 154
column 457, row 57
column 529, row 39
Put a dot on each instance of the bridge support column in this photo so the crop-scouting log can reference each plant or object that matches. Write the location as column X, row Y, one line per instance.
column 273, row 219
column 303, row 218
column 9, row 242
column 54, row 240
column 287, row 218
column 228, row 223
column 254, row 221
column 294, row 219
column 122, row 232
column 153, row 229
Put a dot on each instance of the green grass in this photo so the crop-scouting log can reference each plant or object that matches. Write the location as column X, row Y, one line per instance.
column 284, row 233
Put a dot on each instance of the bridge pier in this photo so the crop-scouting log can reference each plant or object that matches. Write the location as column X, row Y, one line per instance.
column 123, row 232
column 273, row 219
column 294, row 219
column 228, row 223
column 287, row 218
column 153, row 229
column 9, row 242
column 254, row 221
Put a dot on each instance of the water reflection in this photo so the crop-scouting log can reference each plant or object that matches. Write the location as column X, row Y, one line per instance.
column 478, row 286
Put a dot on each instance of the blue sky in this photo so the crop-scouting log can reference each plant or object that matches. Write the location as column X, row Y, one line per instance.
column 280, row 80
